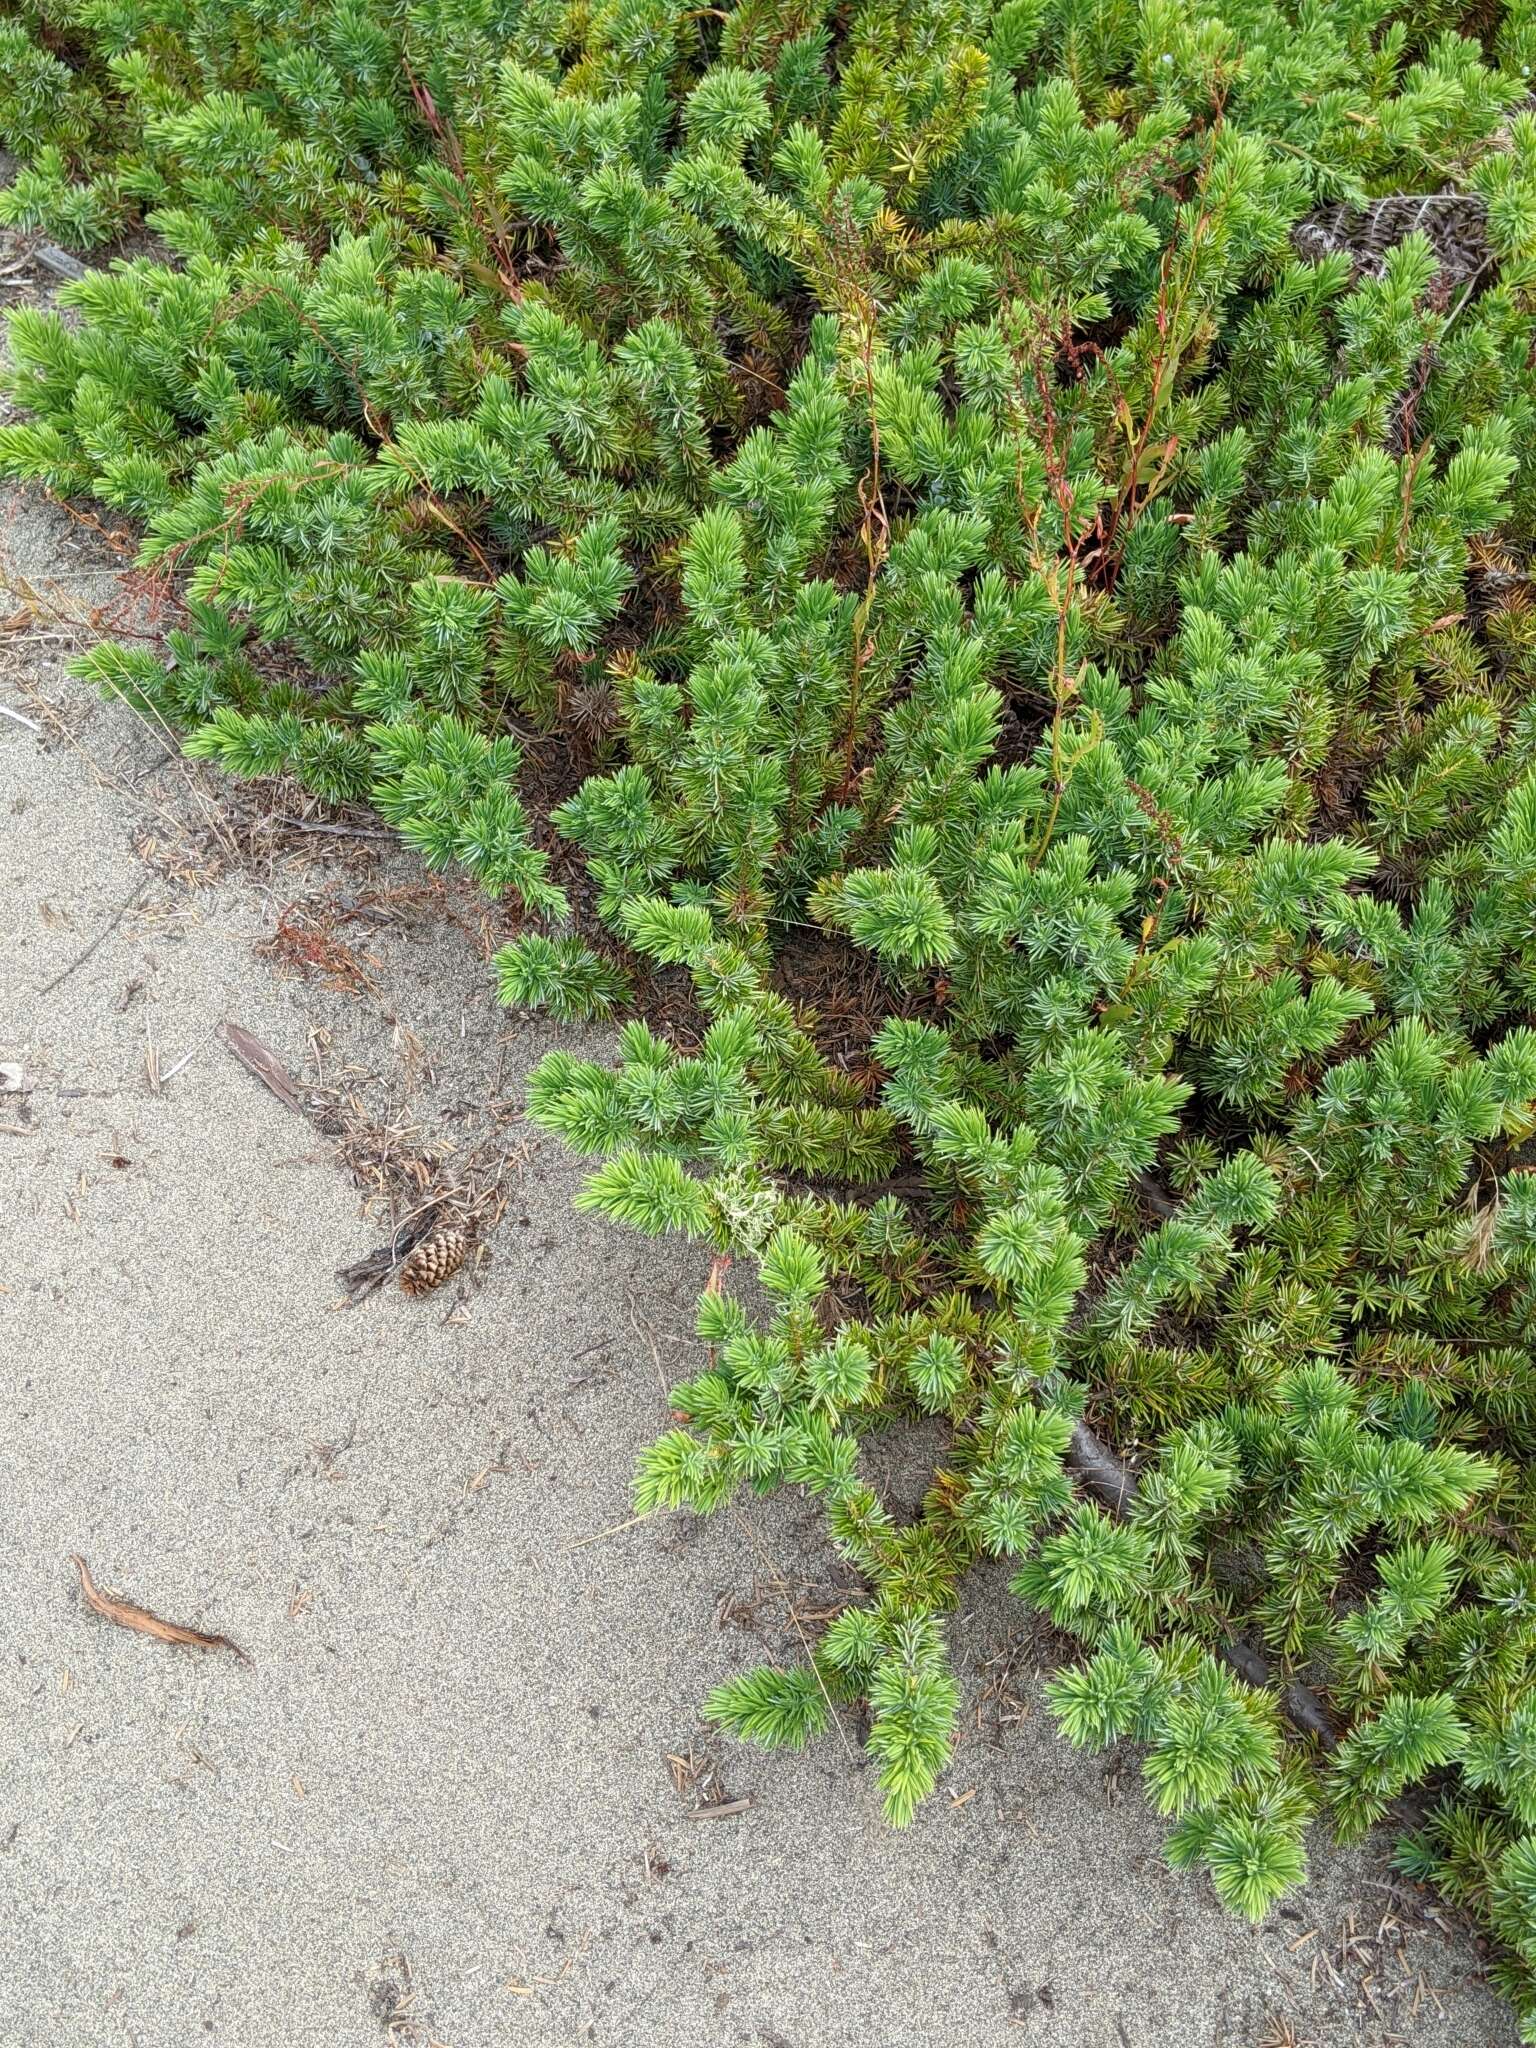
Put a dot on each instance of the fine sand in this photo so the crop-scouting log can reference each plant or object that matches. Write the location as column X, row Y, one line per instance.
column 449, row 1799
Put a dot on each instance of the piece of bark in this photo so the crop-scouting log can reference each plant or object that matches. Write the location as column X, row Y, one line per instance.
column 58, row 260
column 1094, row 1462
column 370, row 1272
column 725, row 1809
column 126, row 1615
column 261, row 1061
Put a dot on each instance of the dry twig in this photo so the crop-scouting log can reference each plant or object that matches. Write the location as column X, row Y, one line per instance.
column 105, row 933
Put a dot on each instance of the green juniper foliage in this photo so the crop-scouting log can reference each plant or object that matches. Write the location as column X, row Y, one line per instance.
column 913, row 466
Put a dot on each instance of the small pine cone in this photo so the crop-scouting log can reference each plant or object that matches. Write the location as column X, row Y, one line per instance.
column 434, row 1260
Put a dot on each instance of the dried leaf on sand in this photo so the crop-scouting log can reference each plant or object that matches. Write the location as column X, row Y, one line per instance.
column 126, row 1615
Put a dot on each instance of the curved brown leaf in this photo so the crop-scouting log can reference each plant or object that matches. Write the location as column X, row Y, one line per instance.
column 126, row 1615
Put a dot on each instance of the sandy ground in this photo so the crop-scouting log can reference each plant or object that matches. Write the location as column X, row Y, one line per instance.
column 438, row 1806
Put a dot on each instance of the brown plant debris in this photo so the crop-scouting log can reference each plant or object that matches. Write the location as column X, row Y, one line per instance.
column 696, row 1778
column 1381, row 1969
column 1455, row 224
column 423, row 1190
column 306, row 939
column 261, row 1061
column 700, row 1786
column 546, row 1980
column 105, row 933
column 375, row 1267
column 781, row 1612
column 436, row 1259
column 302, row 944
column 1003, row 1701
column 397, row 2005
column 1280, row 2032
column 126, row 1615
